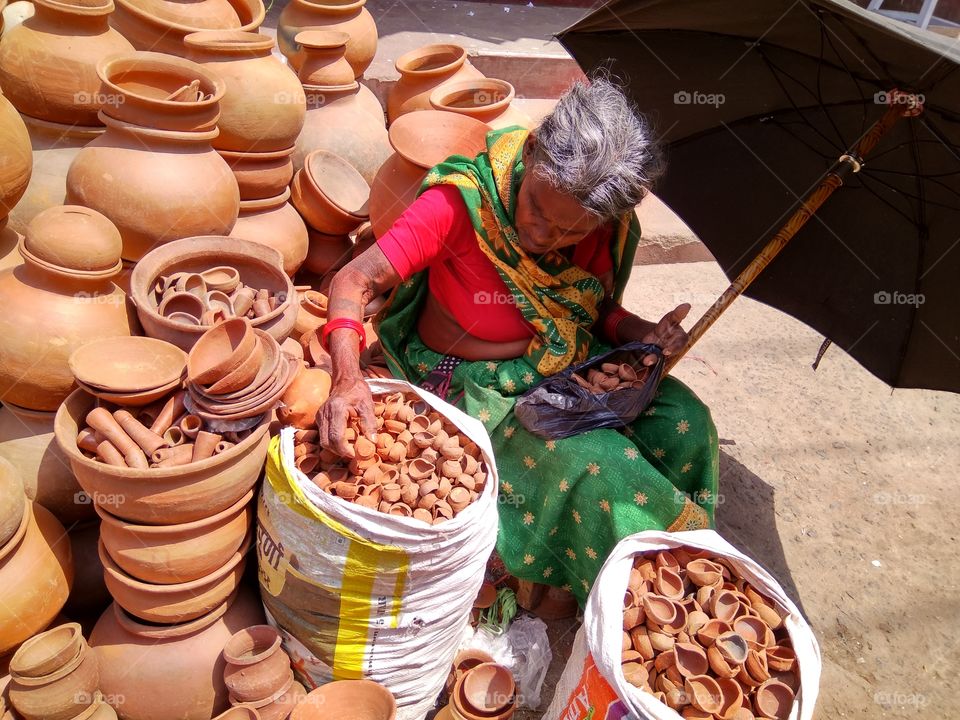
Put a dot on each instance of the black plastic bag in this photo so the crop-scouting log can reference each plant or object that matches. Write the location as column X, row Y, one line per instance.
column 559, row 407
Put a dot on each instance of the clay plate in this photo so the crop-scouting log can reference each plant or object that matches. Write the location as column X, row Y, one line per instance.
column 127, row 364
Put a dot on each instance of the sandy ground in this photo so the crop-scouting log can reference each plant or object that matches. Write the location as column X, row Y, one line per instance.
column 840, row 487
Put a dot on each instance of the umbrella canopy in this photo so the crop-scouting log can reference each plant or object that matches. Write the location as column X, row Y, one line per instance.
column 754, row 101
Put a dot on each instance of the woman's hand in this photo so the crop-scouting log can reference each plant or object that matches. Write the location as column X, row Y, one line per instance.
column 668, row 333
column 349, row 398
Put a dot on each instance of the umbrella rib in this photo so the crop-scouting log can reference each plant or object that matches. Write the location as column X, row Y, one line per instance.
column 827, row 115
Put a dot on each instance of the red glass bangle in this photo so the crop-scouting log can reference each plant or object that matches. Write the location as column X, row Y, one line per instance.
column 615, row 316
column 339, row 323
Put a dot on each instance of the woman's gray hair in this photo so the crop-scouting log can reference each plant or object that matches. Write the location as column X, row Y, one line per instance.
column 596, row 147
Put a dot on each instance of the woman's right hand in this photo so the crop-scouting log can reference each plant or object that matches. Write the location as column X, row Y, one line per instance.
column 349, row 398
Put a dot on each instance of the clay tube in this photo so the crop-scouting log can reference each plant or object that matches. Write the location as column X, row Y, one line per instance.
column 204, row 446
column 101, row 420
column 147, row 440
column 173, row 408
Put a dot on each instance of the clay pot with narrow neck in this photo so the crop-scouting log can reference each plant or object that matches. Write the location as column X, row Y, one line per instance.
column 275, row 223
column 323, row 58
column 257, row 667
column 424, row 70
column 162, row 25
column 260, row 175
column 122, row 173
column 263, row 107
column 60, row 298
column 36, row 571
column 338, row 121
column 485, row 99
column 348, row 16
column 17, row 158
column 48, row 64
column 170, row 671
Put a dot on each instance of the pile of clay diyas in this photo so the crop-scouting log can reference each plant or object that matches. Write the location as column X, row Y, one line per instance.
column 704, row 642
column 211, row 296
column 612, row 376
column 420, row 466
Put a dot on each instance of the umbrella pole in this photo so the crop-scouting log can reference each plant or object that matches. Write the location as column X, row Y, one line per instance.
column 901, row 105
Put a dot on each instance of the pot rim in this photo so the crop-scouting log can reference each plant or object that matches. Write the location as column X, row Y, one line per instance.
column 66, row 272
column 335, row 7
column 196, row 136
column 368, row 687
column 75, row 632
column 104, row 8
column 231, row 657
column 457, row 702
column 58, row 674
column 14, row 542
column 323, row 89
column 307, row 173
column 328, row 40
column 255, row 8
column 145, row 59
column 231, row 42
column 458, row 52
column 270, row 699
column 140, row 628
column 135, row 528
column 441, row 94
column 92, row 708
column 410, row 151
column 244, row 155
column 265, row 203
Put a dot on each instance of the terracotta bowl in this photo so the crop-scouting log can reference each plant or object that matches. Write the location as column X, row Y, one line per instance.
column 464, row 710
column 255, row 397
column 252, row 645
column 133, row 399
column 162, row 495
column 489, row 688
column 266, row 370
column 347, row 698
column 127, row 364
column 259, row 267
column 169, row 554
column 330, row 193
column 178, row 602
column 221, row 350
column 261, row 404
column 63, row 696
column 47, row 652
column 260, row 175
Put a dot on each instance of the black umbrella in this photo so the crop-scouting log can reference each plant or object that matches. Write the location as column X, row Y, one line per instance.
column 766, row 109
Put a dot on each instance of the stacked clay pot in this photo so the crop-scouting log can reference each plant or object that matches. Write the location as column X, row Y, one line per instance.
column 484, row 691
column 55, row 676
column 703, row 641
column 162, row 25
column 424, row 70
column 258, row 672
column 153, row 172
column 346, row 16
column 172, row 670
column 60, row 298
column 485, row 99
column 48, row 64
column 260, row 175
column 357, row 699
column 419, row 142
column 17, row 158
column 275, row 223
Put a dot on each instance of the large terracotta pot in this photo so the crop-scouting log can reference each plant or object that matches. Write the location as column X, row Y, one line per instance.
column 340, row 122
column 161, row 25
column 13, row 500
column 275, row 223
column 424, row 70
column 89, row 596
column 54, row 147
column 485, row 99
column 9, row 239
column 169, row 671
column 17, row 159
column 36, row 570
column 358, row 699
column 162, row 495
column 263, row 107
column 328, row 252
column 59, row 299
column 155, row 185
column 48, row 64
column 260, row 175
column 26, row 441
column 349, row 16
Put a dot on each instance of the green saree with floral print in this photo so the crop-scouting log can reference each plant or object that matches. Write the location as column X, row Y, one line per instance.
column 565, row 503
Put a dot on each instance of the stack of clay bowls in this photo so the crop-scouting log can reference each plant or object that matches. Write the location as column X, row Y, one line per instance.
column 55, row 676
column 703, row 641
column 258, row 674
column 486, row 691
column 129, row 371
column 236, row 372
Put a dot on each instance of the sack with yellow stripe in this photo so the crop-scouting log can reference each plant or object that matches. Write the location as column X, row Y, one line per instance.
column 362, row 594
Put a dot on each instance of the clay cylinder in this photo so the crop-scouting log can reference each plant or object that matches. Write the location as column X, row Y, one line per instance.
column 223, row 446
column 190, row 426
column 109, row 454
column 205, row 444
column 147, row 440
column 171, row 409
column 172, row 457
column 87, row 440
column 101, row 420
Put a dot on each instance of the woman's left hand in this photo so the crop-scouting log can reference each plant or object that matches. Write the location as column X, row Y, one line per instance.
column 668, row 333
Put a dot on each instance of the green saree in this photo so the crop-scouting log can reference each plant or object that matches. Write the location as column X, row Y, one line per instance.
column 564, row 504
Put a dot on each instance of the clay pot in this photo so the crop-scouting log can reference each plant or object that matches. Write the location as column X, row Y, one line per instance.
column 322, row 58
column 275, row 223
column 48, row 64
column 17, row 158
column 256, row 666
column 348, row 16
column 47, row 652
column 424, row 70
column 461, row 709
column 485, row 99
column 89, row 595
column 259, row 267
column 327, row 252
column 488, row 688
column 338, row 120
column 330, row 194
column 13, row 501
column 54, row 148
column 60, row 695
column 359, row 699
column 204, row 199
column 260, row 175
column 162, row 25
column 280, row 708
column 312, row 313
column 264, row 105
column 179, row 553
column 221, row 350
column 302, row 400
column 128, row 364
column 65, row 284
column 171, row 670
column 420, row 143
column 36, row 570
column 176, row 602
column 9, row 239
column 97, row 710
column 162, row 495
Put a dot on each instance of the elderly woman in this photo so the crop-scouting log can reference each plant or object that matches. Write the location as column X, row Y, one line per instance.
column 507, row 269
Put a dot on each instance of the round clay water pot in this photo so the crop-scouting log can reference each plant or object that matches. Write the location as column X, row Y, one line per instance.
column 17, row 157
column 257, row 668
column 358, row 699
column 275, row 223
column 424, row 70
column 348, row 16
column 143, row 663
column 259, row 267
column 261, row 175
column 36, row 571
column 48, row 63
column 264, row 105
column 48, row 652
column 162, row 25
column 331, row 195
column 13, row 501
column 485, row 99
column 322, row 59
column 59, row 299
column 303, row 399
column 62, row 694
column 312, row 313
column 119, row 174
column 167, row 554
column 162, row 495
column 394, row 189
column 89, row 595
